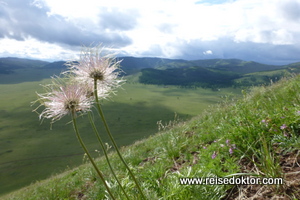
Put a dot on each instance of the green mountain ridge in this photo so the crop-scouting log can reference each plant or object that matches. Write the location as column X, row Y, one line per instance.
column 216, row 73
column 203, row 73
column 238, row 66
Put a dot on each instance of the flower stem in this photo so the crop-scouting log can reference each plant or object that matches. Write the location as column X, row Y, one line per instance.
column 105, row 152
column 112, row 139
column 89, row 156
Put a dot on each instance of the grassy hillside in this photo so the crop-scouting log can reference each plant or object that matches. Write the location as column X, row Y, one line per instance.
column 265, row 77
column 258, row 135
column 31, row 151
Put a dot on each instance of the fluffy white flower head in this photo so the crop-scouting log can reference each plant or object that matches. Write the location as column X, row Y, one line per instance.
column 93, row 67
column 61, row 100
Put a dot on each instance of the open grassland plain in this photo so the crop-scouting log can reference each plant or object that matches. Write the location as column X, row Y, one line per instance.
column 30, row 150
column 254, row 137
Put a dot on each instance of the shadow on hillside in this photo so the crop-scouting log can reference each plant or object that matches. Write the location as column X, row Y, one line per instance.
column 31, row 151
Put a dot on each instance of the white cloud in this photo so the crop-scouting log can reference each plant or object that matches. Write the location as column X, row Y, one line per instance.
column 32, row 48
column 164, row 28
column 243, row 20
column 208, row 52
column 264, row 23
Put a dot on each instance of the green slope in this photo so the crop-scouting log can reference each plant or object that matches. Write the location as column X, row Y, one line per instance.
column 258, row 135
column 31, row 151
column 266, row 77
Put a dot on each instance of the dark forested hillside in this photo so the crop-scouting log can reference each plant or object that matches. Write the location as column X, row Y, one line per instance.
column 216, row 73
column 191, row 76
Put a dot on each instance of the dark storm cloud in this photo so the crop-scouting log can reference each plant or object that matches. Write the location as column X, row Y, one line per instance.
column 20, row 19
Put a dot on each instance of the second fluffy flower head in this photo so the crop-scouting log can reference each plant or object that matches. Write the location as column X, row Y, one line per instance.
column 93, row 68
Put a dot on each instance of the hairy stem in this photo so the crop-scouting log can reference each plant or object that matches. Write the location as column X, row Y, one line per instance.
column 105, row 153
column 88, row 154
column 112, row 139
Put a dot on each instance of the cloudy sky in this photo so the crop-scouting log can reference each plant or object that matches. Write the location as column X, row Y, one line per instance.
column 266, row 31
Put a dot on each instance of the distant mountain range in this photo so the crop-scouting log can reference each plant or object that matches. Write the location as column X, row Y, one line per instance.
column 203, row 73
